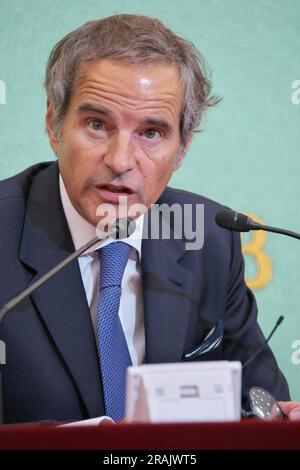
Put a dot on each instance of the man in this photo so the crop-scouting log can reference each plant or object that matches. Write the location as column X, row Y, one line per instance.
column 125, row 95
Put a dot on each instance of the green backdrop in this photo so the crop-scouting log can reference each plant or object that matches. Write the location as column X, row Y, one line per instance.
column 247, row 156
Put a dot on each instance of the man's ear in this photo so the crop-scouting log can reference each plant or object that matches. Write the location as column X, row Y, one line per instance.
column 181, row 153
column 50, row 128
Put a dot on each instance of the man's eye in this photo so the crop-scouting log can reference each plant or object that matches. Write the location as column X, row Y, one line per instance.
column 96, row 125
column 152, row 133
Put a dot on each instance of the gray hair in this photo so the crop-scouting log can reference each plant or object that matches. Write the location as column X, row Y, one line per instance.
column 134, row 39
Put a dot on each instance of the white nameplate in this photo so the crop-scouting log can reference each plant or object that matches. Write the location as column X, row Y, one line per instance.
column 184, row 392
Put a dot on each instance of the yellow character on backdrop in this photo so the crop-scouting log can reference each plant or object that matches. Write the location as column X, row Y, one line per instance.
column 255, row 248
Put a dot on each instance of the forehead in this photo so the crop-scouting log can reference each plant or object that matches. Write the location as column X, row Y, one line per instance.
column 155, row 86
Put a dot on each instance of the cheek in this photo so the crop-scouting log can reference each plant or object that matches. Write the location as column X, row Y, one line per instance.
column 73, row 159
column 160, row 163
column 155, row 179
column 164, row 169
column 72, row 173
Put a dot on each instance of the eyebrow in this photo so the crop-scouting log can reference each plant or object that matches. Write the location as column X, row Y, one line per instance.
column 162, row 123
column 158, row 123
column 83, row 108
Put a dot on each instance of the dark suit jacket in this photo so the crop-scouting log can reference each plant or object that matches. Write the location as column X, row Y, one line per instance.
column 52, row 370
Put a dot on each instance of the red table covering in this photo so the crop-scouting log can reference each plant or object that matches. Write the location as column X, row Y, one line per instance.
column 244, row 435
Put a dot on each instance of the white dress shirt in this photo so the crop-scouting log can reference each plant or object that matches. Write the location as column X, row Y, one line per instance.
column 131, row 302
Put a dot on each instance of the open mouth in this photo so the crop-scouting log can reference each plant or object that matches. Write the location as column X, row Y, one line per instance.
column 111, row 193
column 117, row 189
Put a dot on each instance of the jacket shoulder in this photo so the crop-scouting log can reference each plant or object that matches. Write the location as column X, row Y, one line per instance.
column 180, row 196
column 214, row 236
column 18, row 186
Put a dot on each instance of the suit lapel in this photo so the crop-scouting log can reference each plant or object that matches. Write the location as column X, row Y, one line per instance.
column 46, row 241
column 167, row 287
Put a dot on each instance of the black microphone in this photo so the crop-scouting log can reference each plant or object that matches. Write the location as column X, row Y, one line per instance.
column 260, row 400
column 238, row 222
column 279, row 321
column 121, row 228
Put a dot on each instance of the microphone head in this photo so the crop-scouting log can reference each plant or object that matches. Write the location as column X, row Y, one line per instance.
column 233, row 221
column 122, row 228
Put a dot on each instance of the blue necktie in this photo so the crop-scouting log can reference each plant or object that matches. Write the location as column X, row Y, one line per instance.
column 113, row 351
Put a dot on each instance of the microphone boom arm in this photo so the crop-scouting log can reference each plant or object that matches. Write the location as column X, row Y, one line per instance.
column 12, row 303
column 281, row 231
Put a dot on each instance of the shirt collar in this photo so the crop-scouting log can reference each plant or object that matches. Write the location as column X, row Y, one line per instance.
column 82, row 231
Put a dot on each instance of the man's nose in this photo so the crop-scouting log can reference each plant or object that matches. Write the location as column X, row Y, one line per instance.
column 119, row 155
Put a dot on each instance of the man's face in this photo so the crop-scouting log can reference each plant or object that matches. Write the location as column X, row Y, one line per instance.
column 120, row 136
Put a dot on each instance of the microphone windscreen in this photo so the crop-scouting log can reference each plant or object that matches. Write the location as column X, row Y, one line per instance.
column 233, row 221
column 122, row 228
column 225, row 219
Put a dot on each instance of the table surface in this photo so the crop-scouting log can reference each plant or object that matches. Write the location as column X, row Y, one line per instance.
column 247, row 434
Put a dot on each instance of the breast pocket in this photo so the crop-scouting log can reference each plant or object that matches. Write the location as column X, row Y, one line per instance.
column 210, row 346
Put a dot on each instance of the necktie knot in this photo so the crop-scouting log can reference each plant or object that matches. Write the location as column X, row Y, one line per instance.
column 113, row 260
